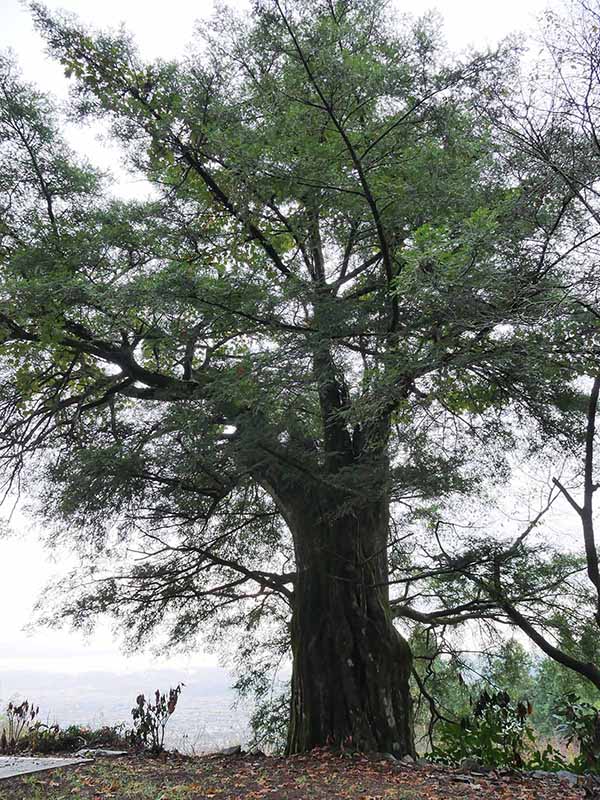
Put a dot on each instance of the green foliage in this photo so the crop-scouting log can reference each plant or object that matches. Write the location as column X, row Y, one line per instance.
column 22, row 731
column 257, row 657
column 496, row 734
column 150, row 719
column 548, row 759
column 441, row 676
column 54, row 739
column 579, row 722
column 453, row 680
column 552, row 683
column 555, row 713
column 511, row 667
column 269, row 722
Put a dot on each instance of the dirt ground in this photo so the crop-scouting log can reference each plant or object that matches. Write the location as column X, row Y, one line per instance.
column 320, row 775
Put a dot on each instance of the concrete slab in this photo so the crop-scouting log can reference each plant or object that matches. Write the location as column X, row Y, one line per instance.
column 11, row 766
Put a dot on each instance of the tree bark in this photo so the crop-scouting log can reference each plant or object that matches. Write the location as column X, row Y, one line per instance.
column 351, row 667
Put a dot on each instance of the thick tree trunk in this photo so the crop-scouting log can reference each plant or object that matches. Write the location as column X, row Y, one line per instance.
column 351, row 667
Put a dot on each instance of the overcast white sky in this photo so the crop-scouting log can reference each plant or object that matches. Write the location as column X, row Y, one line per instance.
column 162, row 29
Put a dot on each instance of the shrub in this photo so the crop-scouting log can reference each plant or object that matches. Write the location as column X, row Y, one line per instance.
column 114, row 736
column 579, row 722
column 150, row 719
column 549, row 759
column 19, row 721
column 50, row 739
column 22, row 730
column 495, row 734
column 53, row 739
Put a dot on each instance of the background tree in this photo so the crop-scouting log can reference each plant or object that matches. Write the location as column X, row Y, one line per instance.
column 548, row 590
column 340, row 280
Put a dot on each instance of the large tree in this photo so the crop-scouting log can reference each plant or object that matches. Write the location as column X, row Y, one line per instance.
column 341, row 277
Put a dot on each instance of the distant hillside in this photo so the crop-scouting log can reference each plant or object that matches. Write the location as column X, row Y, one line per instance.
column 205, row 717
column 202, row 681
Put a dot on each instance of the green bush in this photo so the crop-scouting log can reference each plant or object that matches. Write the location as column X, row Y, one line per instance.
column 495, row 734
column 579, row 723
column 549, row 759
column 53, row 739
column 21, row 730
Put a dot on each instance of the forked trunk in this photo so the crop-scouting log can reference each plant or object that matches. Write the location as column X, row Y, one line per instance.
column 351, row 667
